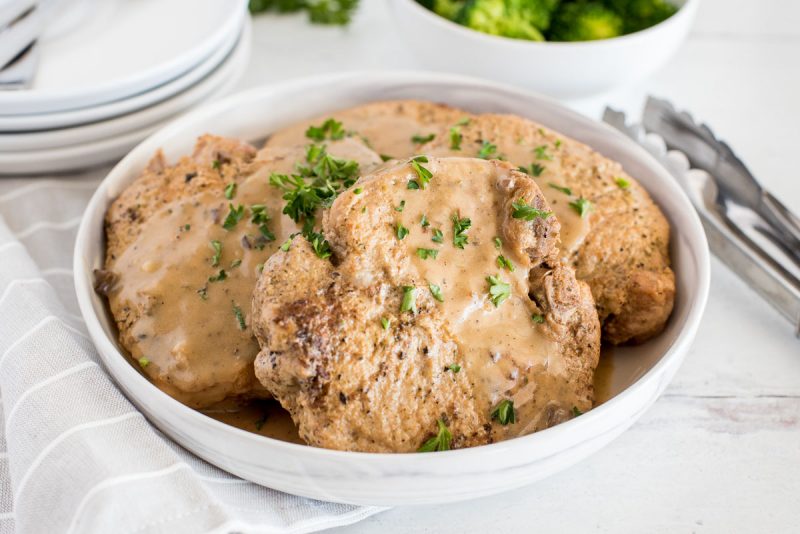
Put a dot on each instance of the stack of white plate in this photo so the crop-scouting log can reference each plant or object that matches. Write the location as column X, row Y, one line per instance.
column 110, row 72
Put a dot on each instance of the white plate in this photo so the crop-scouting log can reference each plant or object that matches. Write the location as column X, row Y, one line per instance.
column 639, row 374
column 120, row 48
column 97, row 131
column 75, row 117
column 110, row 148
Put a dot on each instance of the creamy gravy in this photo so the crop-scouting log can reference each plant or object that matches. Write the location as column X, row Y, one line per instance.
column 500, row 345
column 191, row 336
column 262, row 417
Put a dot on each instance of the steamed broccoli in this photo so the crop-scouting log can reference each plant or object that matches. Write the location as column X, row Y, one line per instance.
column 519, row 19
column 446, row 8
column 585, row 21
column 642, row 14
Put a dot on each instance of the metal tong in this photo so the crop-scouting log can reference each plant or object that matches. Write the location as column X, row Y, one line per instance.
column 747, row 227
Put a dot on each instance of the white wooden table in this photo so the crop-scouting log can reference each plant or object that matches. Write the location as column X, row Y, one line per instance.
column 720, row 452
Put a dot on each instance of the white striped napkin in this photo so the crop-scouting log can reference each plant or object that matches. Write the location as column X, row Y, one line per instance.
column 75, row 455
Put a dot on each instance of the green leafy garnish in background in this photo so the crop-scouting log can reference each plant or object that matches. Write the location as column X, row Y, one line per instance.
column 335, row 12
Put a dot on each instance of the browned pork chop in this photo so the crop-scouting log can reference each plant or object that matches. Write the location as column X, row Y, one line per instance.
column 612, row 232
column 444, row 300
column 185, row 245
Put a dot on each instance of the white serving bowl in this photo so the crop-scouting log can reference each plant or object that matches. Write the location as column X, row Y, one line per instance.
column 638, row 375
column 559, row 69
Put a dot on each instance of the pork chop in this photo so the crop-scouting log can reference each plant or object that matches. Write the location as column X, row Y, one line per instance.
column 612, row 232
column 185, row 244
column 444, row 317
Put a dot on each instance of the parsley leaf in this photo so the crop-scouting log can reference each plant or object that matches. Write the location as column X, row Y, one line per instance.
column 505, row 263
column 487, row 151
column 440, row 442
column 385, row 323
column 409, row 299
column 436, row 291
column 426, row 253
column 504, row 412
column 424, row 221
column 438, row 236
column 537, row 318
column 144, row 362
column 330, row 129
column 424, row 174
column 523, row 210
column 286, row 244
column 318, row 242
column 576, row 412
column 498, row 290
column 541, row 152
column 581, row 206
column 565, row 190
column 498, row 243
column 234, row 216
column 453, row 367
column 400, row 231
column 460, row 227
column 401, row 207
column 422, row 139
column 237, row 312
column 412, row 184
column 230, row 190
column 622, row 183
column 455, row 138
column 217, row 247
column 219, row 277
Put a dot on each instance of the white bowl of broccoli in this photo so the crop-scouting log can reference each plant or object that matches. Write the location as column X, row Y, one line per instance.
column 564, row 48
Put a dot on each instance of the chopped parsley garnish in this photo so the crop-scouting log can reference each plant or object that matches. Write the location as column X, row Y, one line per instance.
column 237, row 312
column 409, row 299
column 144, row 362
column 216, row 164
column 425, row 253
column 504, row 412
column 622, row 183
column 235, row 263
column 436, row 291
column 286, row 244
column 230, row 190
column 234, row 216
column 187, row 227
column 357, row 191
column 330, row 129
column 440, row 442
column 576, row 412
column 455, row 138
column 401, row 207
column 422, row 139
column 203, row 292
column 260, row 268
column 541, row 152
column 498, row 290
column 460, row 227
column 219, row 277
column 318, row 242
column 217, row 247
column 463, row 121
column 413, row 185
column 505, row 263
column 454, row 367
column 488, row 150
column 523, row 210
column 557, row 144
column 400, row 231
column 498, row 243
column 386, row 157
column 424, row 174
column 535, row 170
column 260, row 217
column 537, row 318
column 315, row 185
column 424, row 221
column 581, row 206
column 385, row 323
column 438, row 236
column 565, row 190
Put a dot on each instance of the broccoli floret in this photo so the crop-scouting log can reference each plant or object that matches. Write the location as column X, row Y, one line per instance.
column 446, row 8
column 509, row 18
column 585, row 21
column 641, row 14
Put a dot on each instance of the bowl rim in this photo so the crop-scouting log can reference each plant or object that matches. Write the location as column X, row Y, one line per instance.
column 82, row 272
column 686, row 10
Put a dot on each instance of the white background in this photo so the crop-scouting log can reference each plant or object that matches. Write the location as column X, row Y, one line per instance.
column 720, row 452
